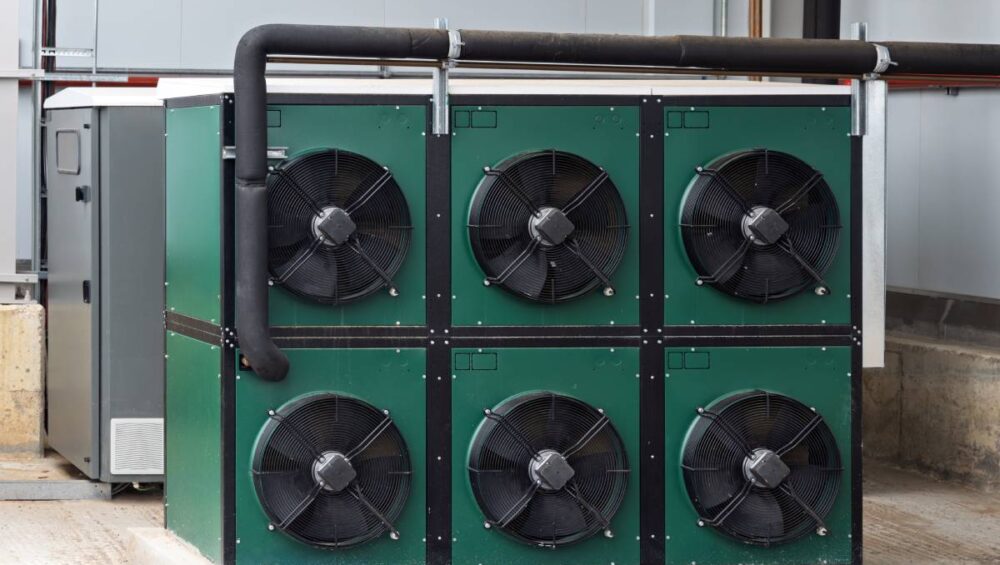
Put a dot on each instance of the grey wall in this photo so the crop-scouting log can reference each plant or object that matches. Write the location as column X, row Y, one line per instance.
column 943, row 187
column 200, row 34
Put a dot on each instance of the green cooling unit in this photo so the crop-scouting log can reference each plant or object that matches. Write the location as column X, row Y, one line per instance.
column 580, row 328
column 541, row 201
column 757, row 202
column 544, row 458
column 759, row 455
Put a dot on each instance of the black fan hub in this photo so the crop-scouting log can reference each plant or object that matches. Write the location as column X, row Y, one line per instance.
column 333, row 471
column 765, row 468
column 335, row 225
column 551, row 225
column 764, row 226
column 550, row 470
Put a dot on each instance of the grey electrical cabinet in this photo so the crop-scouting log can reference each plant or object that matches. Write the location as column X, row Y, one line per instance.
column 105, row 204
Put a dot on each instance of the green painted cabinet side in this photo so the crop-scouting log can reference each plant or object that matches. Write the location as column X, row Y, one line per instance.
column 818, row 136
column 388, row 379
column 193, row 433
column 194, row 176
column 605, row 378
column 392, row 136
column 816, row 376
column 604, row 135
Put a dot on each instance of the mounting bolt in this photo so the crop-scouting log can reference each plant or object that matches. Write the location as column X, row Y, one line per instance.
column 487, row 525
column 394, row 535
column 701, row 523
column 821, row 531
column 270, row 527
column 270, row 412
column 608, row 291
column 609, row 534
column 487, row 411
column 386, row 412
column 699, row 282
column 700, row 410
column 822, row 291
column 393, row 291
column 486, row 282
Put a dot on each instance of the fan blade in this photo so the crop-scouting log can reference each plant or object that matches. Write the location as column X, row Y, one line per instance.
column 338, row 517
column 552, row 516
column 531, row 271
column 318, row 277
column 285, row 234
column 722, row 485
column 762, row 515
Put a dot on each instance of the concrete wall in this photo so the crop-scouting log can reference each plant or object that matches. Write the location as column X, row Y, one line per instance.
column 22, row 358
column 936, row 407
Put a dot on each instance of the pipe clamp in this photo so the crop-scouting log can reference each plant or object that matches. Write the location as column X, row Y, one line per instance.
column 883, row 60
column 454, row 44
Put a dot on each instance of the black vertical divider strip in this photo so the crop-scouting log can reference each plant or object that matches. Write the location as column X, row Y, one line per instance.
column 438, row 389
column 651, row 373
column 227, row 304
column 857, row 362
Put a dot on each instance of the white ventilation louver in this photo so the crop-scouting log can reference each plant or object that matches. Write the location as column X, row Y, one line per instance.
column 137, row 446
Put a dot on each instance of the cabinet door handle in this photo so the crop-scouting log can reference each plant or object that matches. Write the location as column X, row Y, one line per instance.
column 83, row 193
column 86, row 292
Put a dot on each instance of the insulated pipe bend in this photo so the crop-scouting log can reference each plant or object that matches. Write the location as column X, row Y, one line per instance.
column 252, row 322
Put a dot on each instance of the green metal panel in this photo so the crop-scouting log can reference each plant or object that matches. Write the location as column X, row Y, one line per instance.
column 604, row 135
column 193, row 432
column 605, row 378
column 392, row 136
column 818, row 136
column 817, row 376
column 194, row 161
column 390, row 379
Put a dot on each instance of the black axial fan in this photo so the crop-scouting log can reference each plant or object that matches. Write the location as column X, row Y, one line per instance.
column 762, row 468
column 339, row 226
column 547, row 469
column 760, row 225
column 549, row 226
column 331, row 471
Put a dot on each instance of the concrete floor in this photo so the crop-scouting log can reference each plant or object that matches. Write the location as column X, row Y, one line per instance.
column 909, row 520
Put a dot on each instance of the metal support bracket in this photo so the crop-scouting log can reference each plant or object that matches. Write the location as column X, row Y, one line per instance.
column 273, row 153
column 439, row 95
column 869, row 98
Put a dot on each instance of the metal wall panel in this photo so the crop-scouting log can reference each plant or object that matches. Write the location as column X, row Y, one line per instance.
column 72, row 377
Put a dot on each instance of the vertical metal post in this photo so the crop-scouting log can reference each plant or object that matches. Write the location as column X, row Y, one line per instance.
column 439, row 100
column 93, row 65
column 649, row 17
column 869, row 101
column 720, row 23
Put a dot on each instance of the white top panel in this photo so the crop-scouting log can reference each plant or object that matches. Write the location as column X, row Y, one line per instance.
column 89, row 97
column 181, row 87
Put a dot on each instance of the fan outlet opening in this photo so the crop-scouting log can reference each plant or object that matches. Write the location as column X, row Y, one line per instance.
column 548, row 226
column 760, row 225
column 338, row 226
column 548, row 470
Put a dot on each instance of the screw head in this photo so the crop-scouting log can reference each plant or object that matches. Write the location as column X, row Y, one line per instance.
column 701, row 523
column 393, row 291
column 270, row 527
column 394, row 535
column 487, row 525
column 609, row 534
column 821, row 531
column 608, row 291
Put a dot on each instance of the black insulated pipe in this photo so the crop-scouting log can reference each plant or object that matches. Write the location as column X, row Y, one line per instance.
column 252, row 322
column 752, row 56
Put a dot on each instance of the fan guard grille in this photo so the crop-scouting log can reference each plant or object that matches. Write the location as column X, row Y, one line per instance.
column 727, row 497
column 514, row 435
column 506, row 208
column 284, row 471
column 715, row 229
column 357, row 260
